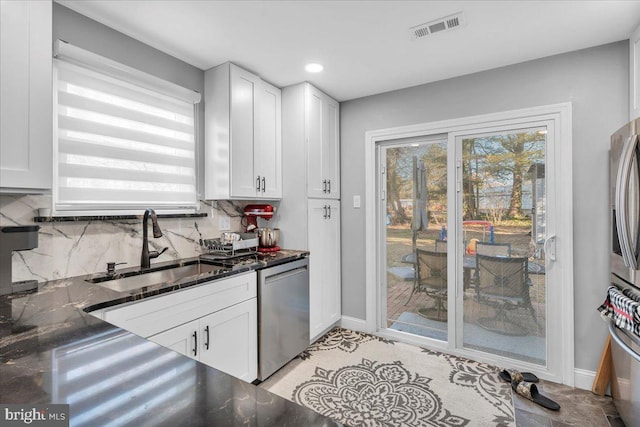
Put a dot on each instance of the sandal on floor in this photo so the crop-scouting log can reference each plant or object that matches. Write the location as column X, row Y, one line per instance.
column 511, row 375
column 530, row 391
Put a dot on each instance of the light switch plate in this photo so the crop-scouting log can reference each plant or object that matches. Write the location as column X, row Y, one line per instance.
column 356, row 202
column 224, row 223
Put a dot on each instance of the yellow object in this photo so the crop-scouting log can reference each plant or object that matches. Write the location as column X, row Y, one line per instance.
column 471, row 247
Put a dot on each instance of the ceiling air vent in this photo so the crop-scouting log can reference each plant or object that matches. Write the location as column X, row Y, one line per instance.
column 447, row 23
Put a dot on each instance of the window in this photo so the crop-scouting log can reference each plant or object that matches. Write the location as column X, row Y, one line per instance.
column 125, row 140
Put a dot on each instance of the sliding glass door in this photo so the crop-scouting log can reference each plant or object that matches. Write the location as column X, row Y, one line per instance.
column 464, row 229
column 502, row 218
column 415, row 215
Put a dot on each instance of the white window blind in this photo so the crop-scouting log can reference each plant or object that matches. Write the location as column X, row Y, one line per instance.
column 121, row 146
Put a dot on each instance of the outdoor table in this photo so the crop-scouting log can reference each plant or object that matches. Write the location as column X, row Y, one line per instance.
column 469, row 264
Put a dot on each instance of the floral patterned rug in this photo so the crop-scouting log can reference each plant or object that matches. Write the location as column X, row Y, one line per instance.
column 363, row 380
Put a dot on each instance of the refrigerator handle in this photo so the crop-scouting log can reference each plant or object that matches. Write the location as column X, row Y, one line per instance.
column 621, row 343
column 622, row 187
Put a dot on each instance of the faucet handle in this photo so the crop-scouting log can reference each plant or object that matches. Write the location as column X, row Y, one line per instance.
column 156, row 254
column 111, row 267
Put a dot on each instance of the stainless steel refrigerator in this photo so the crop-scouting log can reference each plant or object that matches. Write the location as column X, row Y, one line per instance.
column 625, row 265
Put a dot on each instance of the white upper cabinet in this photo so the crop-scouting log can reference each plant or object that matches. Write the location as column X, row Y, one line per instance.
column 242, row 135
column 26, row 96
column 322, row 127
column 244, row 128
column 634, row 74
column 268, row 153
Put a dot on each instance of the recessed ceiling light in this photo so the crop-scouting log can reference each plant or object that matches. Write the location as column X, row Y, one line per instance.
column 313, row 68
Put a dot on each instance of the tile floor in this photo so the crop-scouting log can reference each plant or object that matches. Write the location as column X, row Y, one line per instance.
column 578, row 408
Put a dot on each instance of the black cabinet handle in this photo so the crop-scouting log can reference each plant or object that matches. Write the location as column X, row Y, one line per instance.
column 324, row 211
column 329, row 190
column 324, row 185
column 329, row 209
column 206, row 343
column 195, row 343
column 264, row 186
column 258, row 183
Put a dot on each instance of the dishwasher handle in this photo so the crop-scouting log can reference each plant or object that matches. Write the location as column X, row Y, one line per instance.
column 275, row 270
column 285, row 274
column 620, row 341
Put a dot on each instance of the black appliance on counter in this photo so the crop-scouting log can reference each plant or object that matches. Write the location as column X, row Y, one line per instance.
column 15, row 238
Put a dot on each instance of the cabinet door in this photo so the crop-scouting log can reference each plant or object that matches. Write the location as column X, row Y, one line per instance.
column 230, row 340
column 268, row 149
column 26, row 101
column 316, row 224
column 324, row 265
column 244, row 119
column 323, row 145
column 184, row 339
column 331, row 151
column 332, row 293
column 314, row 118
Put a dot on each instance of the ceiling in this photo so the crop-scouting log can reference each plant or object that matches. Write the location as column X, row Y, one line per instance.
column 365, row 46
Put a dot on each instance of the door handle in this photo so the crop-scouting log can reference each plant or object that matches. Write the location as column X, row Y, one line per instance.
column 324, row 185
column 206, row 343
column 551, row 255
column 264, row 186
column 195, row 343
column 324, row 211
column 614, row 334
column 329, row 182
column 621, row 203
column 258, row 183
column 329, row 209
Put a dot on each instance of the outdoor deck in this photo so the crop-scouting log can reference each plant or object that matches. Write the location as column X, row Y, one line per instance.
column 398, row 292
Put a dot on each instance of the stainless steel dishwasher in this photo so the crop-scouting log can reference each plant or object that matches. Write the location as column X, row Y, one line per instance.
column 283, row 313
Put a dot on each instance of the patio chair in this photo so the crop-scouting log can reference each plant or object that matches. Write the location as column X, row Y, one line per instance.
column 504, row 284
column 492, row 249
column 441, row 245
column 431, row 278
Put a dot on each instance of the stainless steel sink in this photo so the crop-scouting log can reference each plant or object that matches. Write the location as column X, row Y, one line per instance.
column 128, row 280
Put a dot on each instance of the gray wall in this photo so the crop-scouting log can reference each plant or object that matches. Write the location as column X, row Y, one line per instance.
column 91, row 35
column 595, row 81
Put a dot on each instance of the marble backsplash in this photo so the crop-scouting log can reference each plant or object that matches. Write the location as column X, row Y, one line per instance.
column 67, row 249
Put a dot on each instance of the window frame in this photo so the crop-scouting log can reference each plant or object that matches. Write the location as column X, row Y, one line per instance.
column 68, row 53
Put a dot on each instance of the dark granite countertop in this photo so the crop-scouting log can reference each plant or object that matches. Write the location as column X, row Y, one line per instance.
column 53, row 351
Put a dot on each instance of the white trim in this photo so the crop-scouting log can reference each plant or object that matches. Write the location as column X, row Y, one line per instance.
column 584, row 379
column 74, row 54
column 561, row 115
column 634, row 74
column 371, row 274
column 353, row 323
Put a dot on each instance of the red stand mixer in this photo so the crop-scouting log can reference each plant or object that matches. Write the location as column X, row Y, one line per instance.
column 252, row 213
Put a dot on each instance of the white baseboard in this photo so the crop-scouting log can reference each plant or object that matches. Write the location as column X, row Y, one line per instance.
column 353, row 323
column 584, row 379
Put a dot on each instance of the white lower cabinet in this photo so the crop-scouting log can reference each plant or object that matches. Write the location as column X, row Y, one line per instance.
column 226, row 340
column 215, row 323
column 182, row 339
column 324, row 265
